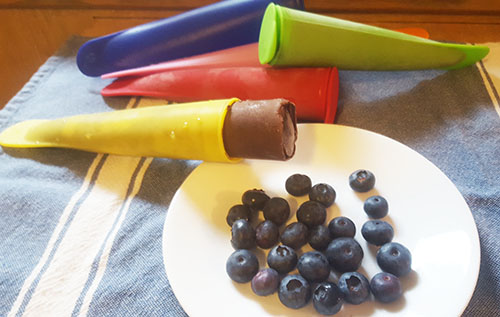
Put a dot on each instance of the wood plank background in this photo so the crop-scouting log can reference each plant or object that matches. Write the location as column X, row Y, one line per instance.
column 31, row 31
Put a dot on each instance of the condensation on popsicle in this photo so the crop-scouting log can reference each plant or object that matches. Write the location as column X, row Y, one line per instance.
column 218, row 130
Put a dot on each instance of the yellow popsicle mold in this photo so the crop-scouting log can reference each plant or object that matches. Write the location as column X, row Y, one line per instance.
column 180, row 131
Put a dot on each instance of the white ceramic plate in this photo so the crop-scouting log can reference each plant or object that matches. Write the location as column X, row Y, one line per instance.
column 427, row 211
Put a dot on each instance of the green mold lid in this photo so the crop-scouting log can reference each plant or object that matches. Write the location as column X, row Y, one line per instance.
column 269, row 34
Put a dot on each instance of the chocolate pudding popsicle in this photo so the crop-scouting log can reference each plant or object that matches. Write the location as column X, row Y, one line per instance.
column 216, row 130
column 261, row 129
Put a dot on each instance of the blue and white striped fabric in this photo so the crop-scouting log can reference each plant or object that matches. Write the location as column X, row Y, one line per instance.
column 80, row 233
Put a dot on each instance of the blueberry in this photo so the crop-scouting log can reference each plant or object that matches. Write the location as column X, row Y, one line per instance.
column 298, row 185
column 341, row 227
column 242, row 265
column 314, row 266
column 282, row 258
column 355, row 287
column 238, row 212
column 377, row 232
column 265, row 282
column 277, row 210
column 295, row 235
column 319, row 237
column 386, row 287
column 327, row 298
column 344, row 254
column 362, row 181
column 311, row 213
column 376, row 207
column 255, row 198
column 267, row 234
column 394, row 258
column 242, row 235
column 323, row 193
column 294, row 291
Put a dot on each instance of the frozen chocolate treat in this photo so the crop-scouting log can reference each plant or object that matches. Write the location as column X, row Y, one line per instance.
column 215, row 130
column 261, row 129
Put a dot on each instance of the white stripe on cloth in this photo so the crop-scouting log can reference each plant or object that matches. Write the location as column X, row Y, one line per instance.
column 64, row 268
column 489, row 68
column 64, row 279
column 57, row 231
column 103, row 261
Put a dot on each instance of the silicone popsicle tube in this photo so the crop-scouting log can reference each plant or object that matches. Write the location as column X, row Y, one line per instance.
column 207, row 130
column 213, row 27
column 314, row 91
column 290, row 37
column 242, row 56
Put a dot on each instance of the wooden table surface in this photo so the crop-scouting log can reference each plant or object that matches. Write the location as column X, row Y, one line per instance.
column 31, row 31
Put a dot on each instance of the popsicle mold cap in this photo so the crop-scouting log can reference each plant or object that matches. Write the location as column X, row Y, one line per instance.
column 220, row 25
column 198, row 131
column 290, row 37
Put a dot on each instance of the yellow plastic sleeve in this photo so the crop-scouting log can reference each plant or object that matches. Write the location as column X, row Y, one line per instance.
column 181, row 131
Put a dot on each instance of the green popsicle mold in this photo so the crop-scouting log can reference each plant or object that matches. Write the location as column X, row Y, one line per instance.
column 296, row 38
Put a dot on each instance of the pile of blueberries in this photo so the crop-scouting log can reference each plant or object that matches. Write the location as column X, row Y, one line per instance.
column 334, row 247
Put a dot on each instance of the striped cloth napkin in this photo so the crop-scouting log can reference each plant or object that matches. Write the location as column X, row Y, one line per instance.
column 81, row 234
